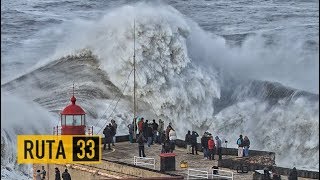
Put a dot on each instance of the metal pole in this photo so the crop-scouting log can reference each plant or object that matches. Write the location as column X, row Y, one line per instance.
column 134, row 78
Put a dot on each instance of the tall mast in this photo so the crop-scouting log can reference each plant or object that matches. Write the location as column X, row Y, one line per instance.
column 134, row 78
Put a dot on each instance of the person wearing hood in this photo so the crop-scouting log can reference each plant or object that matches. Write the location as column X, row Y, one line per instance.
column 219, row 147
column 240, row 146
column 57, row 174
column 246, row 145
column 38, row 175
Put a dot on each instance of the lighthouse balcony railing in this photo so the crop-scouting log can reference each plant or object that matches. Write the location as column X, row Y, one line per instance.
column 57, row 130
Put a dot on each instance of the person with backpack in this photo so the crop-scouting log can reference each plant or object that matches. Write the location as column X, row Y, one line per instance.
column 211, row 147
column 240, row 146
column 107, row 137
column 65, row 175
column 188, row 140
column 141, row 139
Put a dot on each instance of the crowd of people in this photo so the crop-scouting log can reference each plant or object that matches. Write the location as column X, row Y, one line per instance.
column 110, row 132
column 150, row 133
column 243, row 146
column 41, row 175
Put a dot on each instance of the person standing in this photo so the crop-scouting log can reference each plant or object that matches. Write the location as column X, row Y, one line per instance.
column 38, row 175
column 172, row 138
column 149, row 134
column 204, row 144
column 194, row 136
column 155, row 130
column 219, row 147
column 160, row 131
column 114, row 129
column 293, row 175
column 66, row 175
column 188, row 140
column 57, row 174
column 246, row 145
column 240, row 146
column 145, row 128
column 130, row 128
column 140, row 124
column 43, row 173
column 107, row 137
column 141, row 141
column 211, row 147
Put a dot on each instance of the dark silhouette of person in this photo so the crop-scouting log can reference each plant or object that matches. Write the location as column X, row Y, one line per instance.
column 194, row 142
column 107, row 137
column 57, row 174
column 141, row 141
column 293, row 175
column 66, row 175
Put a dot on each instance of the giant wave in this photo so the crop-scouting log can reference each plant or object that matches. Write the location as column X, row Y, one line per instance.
column 175, row 81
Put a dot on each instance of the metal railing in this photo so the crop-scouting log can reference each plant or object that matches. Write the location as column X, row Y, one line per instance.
column 224, row 174
column 57, row 130
column 144, row 161
column 203, row 174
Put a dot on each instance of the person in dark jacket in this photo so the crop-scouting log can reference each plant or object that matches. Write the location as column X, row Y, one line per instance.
column 66, row 175
column 145, row 128
column 57, row 174
column 246, row 145
column 155, row 131
column 219, row 147
column 204, row 145
column 107, row 137
column 149, row 134
column 141, row 141
column 194, row 136
column 293, row 175
column 240, row 146
column 188, row 141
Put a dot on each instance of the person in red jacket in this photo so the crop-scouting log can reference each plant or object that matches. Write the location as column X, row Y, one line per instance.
column 140, row 125
column 211, row 146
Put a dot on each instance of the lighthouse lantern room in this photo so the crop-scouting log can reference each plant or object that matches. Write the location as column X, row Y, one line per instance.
column 73, row 120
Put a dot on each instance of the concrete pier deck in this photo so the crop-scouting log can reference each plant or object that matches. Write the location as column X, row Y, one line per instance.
column 125, row 152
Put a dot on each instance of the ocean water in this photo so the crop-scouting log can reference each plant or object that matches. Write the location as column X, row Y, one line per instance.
column 228, row 67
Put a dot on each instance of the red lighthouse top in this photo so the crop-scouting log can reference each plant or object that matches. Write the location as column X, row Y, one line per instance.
column 73, row 109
